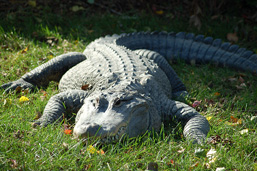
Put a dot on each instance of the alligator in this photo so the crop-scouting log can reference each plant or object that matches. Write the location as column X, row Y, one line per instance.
column 123, row 85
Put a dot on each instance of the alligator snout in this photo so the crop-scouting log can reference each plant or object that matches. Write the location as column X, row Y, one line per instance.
column 87, row 130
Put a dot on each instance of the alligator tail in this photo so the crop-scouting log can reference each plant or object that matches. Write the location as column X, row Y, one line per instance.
column 190, row 48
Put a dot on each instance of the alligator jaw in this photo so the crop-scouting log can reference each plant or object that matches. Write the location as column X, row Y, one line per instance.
column 116, row 137
column 107, row 138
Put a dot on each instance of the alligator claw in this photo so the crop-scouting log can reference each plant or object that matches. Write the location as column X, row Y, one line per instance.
column 17, row 85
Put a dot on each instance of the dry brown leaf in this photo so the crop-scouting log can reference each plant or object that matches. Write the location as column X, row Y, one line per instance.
column 232, row 37
column 65, row 145
column 195, row 20
column 14, row 164
column 86, row 87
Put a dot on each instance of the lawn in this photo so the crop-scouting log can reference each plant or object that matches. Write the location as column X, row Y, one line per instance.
column 227, row 98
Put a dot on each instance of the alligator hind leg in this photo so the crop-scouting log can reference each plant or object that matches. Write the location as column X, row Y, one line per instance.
column 195, row 126
column 178, row 88
column 43, row 74
column 64, row 103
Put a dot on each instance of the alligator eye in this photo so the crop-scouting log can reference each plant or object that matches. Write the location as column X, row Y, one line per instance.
column 117, row 102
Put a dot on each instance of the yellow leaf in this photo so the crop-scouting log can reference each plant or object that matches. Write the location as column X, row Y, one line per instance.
column 91, row 149
column 32, row 3
column 159, row 12
column 25, row 50
column 50, row 56
column 209, row 118
column 23, row 99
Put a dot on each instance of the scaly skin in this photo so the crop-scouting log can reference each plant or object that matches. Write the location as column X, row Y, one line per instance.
column 128, row 86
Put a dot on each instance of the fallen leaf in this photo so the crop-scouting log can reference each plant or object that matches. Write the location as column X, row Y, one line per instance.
column 241, row 86
column 85, row 87
column 233, row 119
column 32, row 3
column 100, row 152
column 233, row 124
column 181, row 151
column 91, row 149
column 208, row 118
column 25, row 50
column 254, row 118
column 76, row 8
column 14, row 164
column 196, row 103
column 216, row 94
column 23, row 99
column 65, row 145
column 195, row 20
column 68, row 131
column 50, row 57
column 244, row 131
column 159, row 12
column 232, row 37
column 220, row 169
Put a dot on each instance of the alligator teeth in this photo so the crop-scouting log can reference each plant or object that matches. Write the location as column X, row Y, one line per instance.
column 119, row 134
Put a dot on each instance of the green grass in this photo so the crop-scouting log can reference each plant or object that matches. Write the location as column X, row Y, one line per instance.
column 25, row 148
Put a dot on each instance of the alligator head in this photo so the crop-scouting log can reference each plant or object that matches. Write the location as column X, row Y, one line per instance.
column 111, row 115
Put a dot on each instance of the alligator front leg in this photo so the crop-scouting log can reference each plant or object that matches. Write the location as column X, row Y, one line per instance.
column 43, row 74
column 61, row 104
column 195, row 126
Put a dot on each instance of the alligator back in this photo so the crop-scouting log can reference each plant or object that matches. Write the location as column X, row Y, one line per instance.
column 189, row 47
